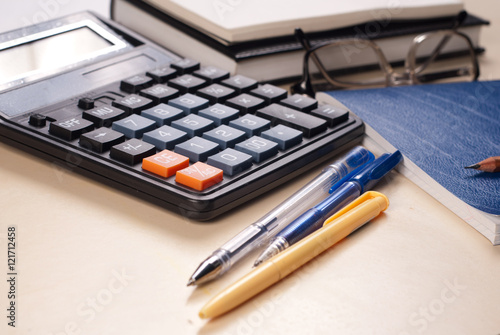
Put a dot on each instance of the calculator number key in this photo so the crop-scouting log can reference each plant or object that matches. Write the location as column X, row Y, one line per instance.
column 231, row 161
column 165, row 137
column 197, row 149
column 134, row 126
column 251, row 124
column 259, row 148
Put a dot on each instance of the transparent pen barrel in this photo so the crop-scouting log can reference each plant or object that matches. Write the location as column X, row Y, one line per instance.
column 312, row 193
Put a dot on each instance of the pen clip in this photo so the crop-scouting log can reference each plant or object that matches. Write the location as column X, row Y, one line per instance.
column 335, row 186
column 358, row 201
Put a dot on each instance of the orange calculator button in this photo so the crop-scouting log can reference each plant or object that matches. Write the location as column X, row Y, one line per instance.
column 199, row 176
column 165, row 163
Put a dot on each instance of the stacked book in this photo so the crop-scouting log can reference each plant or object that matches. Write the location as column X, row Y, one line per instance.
column 255, row 39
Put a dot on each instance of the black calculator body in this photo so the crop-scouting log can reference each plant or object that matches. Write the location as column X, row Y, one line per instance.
column 91, row 96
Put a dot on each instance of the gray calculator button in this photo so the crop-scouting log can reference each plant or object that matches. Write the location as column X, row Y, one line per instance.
column 231, row 161
column 165, row 137
column 286, row 137
column 251, row 124
column 193, row 125
column 220, row 114
column 225, row 136
column 189, row 103
column 197, row 149
column 259, row 148
column 134, row 126
column 163, row 114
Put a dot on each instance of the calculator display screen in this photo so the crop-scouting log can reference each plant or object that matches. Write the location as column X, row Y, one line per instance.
column 49, row 52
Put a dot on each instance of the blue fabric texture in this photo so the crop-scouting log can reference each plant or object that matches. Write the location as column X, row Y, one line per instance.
column 441, row 128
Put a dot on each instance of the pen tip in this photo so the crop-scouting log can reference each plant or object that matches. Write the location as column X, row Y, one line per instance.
column 190, row 282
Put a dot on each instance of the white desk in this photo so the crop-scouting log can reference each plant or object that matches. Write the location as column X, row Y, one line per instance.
column 92, row 260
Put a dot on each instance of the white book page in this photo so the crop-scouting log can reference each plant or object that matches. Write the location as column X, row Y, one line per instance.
column 235, row 20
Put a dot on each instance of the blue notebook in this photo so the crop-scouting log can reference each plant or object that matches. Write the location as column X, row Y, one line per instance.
column 441, row 128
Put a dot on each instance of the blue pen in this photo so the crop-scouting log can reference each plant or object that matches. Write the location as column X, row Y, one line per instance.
column 340, row 196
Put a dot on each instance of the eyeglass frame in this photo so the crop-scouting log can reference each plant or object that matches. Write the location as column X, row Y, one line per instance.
column 392, row 78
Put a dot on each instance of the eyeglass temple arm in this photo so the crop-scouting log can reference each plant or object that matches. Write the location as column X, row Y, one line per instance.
column 301, row 36
column 456, row 24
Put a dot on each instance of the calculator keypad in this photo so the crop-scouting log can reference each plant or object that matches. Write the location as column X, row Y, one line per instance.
column 191, row 126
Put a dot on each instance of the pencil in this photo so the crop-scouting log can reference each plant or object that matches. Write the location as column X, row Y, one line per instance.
column 491, row 164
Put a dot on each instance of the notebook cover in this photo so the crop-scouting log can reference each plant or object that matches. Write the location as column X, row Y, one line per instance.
column 441, row 128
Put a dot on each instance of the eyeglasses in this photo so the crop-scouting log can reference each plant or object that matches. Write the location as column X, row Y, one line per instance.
column 432, row 56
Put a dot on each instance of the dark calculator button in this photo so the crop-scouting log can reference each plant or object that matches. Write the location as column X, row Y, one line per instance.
column 165, row 137
column 246, row 103
column 333, row 115
column 211, row 74
column 220, row 114
column 300, row 103
column 189, row 103
column 231, row 161
column 225, row 137
column 187, row 83
column 259, row 148
column 269, row 93
column 101, row 139
column 37, row 120
column 162, row 74
column 193, row 125
column 308, row 124
column 286, row 137
column 133, row 103
column 132, row 151
column 86, row 103
column 251, row 124
column 186, row 65
column 71, row 128
column 103, row 116
column 160, row 93
column 240, row 83
column 134, row 126
column 136, row 83
column 197, row 149
column 216, row 93
column 163, row 114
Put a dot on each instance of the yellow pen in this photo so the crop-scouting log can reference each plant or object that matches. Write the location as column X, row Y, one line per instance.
column 335, row 228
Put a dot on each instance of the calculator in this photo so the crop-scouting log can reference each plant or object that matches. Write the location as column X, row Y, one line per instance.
column 93, row 97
